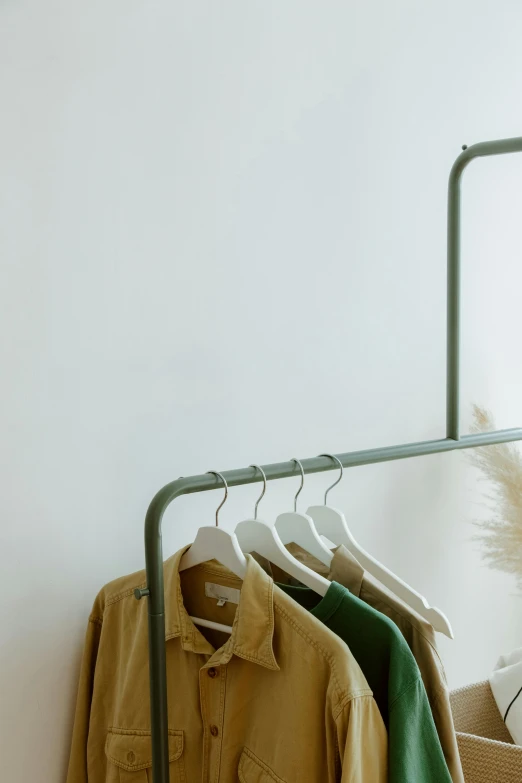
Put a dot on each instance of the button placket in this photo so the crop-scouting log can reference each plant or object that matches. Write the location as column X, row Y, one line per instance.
column 212, row 685
column 203, row 700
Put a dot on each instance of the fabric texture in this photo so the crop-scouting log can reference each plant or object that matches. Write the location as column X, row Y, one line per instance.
column 281, row 698
column 417, row 631
column 506, row 685
column 414, row 751
column 486, row 748
column 475, row 712
column 488, row 761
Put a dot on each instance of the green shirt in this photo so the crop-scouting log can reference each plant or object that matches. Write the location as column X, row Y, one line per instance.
column 414, row 751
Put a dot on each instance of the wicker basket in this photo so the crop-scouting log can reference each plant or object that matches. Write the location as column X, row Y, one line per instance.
column 486, row 749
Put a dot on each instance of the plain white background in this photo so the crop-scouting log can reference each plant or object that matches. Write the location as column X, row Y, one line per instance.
column 222, row 242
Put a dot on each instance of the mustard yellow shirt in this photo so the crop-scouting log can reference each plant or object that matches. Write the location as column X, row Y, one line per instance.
column 280, row 699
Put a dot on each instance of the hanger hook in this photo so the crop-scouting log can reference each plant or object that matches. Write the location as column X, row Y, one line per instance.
column 302, row 481
column 215, row 473
column 260, row 498
column 336, row 459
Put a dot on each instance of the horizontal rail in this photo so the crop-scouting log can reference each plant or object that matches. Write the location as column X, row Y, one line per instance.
column 279, row 470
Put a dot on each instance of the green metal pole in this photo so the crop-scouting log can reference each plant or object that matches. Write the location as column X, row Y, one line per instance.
column 485, row 148
column 157, row 651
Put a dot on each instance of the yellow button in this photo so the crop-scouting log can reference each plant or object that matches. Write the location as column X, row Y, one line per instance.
column 214, row 730
column 131, row 757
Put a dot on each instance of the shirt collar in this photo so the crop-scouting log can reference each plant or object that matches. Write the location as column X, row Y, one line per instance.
column 344, row 567
column 346, row 570
column 253, row 626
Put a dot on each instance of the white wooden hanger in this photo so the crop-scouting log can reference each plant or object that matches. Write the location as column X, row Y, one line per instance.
column 296, row 528
column 255, row 535
column 213, row 543
column 331, row 523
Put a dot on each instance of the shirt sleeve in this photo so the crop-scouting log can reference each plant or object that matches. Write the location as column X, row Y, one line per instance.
column 415, row 749
column 442, row 715
column 363, row 742
column 78, row 759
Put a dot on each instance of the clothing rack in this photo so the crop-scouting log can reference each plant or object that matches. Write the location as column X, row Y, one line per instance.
column 185, row 486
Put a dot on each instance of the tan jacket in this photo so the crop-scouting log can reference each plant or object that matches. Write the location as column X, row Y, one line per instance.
column 417, row 631
column 280, row 699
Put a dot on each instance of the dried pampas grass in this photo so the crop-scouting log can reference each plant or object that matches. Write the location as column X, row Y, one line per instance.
column 501, row 465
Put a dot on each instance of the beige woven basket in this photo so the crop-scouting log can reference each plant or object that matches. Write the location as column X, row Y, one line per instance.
column 486, row 749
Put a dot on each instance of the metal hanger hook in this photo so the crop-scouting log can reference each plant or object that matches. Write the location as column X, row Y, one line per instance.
column 336, row 459
column 260, row 498
column 215, row 473
column 302, row 481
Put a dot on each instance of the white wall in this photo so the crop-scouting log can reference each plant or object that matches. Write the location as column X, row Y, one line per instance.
column 223, row 242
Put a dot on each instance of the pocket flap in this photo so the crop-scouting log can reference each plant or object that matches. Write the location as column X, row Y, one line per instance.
column 132, row 750
column 252, row 770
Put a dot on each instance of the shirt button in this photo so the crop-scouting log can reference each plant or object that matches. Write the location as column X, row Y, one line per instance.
column 214, row 730
column 212, row 672
column 131, row 757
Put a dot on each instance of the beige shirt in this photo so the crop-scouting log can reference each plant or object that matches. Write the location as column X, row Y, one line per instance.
column 280, row 699
column 417, row 631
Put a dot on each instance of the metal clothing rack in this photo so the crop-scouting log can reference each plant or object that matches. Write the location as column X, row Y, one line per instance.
column 184, row 486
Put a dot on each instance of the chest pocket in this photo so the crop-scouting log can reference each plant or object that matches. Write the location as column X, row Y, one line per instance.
column 252, row 770
column 129, row 756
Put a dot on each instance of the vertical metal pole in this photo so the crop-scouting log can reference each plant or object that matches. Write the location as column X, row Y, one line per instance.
column 453, row 313
column 157, row 652
column 483, row 149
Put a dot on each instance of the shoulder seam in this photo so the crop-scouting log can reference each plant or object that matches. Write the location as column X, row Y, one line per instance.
column 314, row 643
column 302, row 632
column 404, row 692
column 412, row 622
column 362, row 694
column 116, row 597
